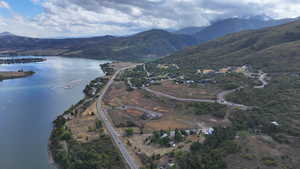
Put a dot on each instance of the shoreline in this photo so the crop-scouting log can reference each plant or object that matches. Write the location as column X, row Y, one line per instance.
column 89, row 93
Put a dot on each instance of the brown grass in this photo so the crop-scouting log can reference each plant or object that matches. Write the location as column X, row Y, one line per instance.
column 187, row 91
column 82, row 124
column 174, row 113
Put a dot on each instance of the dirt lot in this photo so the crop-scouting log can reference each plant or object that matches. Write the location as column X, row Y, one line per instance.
column 120, row 65
column 174, row 114
column 83, row 125
column 187, row 91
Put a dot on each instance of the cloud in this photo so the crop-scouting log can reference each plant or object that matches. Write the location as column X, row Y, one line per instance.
column 4, row 4
column 120, row 17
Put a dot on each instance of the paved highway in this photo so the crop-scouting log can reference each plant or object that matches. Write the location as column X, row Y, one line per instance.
column 102, row 115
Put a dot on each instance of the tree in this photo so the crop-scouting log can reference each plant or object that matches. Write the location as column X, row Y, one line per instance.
column 129, row 132
column 178, row 136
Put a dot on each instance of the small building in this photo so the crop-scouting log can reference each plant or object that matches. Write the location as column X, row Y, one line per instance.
column 225, row 70
column 164, row 135
column 207, row 71
column 176, row 66
column 275, row 123
column 162, row 66
column 208, row 131
column 189, row 81
column 242, row 69
column 172, row 134
column 188, row 132
column 67, row 117
column 171, row 164
column 172, row 144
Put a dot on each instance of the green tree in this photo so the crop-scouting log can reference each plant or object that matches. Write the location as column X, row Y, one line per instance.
column 129, row 132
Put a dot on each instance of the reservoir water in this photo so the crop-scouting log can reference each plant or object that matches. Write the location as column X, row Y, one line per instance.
column 29, row 105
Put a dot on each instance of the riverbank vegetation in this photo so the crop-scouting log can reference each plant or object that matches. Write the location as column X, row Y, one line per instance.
column 69, row 153
column 95, row 152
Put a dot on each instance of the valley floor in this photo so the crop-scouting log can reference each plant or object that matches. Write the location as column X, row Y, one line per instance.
column 176, row 128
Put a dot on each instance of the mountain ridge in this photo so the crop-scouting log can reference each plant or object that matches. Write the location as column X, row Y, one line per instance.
column 153, row 43
column 272, row 49
column 227, row 26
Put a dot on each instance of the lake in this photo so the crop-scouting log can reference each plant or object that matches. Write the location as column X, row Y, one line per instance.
column 29, row 105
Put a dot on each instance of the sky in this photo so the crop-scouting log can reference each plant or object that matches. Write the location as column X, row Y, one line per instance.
column 80, row 18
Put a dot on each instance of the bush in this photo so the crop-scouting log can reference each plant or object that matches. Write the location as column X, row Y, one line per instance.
column 269, row 161
column 129, row 132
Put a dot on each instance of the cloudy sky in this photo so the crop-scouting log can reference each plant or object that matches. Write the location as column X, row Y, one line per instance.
column 62, row 18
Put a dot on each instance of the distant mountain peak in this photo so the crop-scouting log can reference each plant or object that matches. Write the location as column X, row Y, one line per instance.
column 6, row 34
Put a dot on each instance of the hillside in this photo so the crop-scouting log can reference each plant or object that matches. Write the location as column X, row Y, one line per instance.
column 149, row 44
column 272, row 49
column 267, row 135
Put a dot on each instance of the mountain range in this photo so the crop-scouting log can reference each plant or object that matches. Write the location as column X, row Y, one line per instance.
column 148, row 44
column 231, row 25
column 153, row 43
column 274, row 49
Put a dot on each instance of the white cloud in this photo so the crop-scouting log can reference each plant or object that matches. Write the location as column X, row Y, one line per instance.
column 4, row 4
column 119, row 17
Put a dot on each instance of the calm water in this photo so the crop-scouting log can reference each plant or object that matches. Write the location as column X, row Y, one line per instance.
column 29, row 105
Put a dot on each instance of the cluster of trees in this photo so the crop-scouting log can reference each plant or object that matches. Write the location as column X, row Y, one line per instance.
column 209, row 155
column 137, row 77
column 98, row 153
column 214, row 109
column 107, row 69
column 172, row 70
column 94, row 86
column 233, row 80
column 159, row 138
column 279, row 102
column 137, row 72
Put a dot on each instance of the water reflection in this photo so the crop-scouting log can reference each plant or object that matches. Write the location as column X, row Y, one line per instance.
column 29, row 105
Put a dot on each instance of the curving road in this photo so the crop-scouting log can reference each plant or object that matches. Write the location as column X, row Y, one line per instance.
column 102, row 115
column 220, row 98
column 126, row 107
column 262, row 79
column 177, row 98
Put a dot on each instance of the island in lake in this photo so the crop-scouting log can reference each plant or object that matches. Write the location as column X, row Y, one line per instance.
column 21, row 60
column 14, row 74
